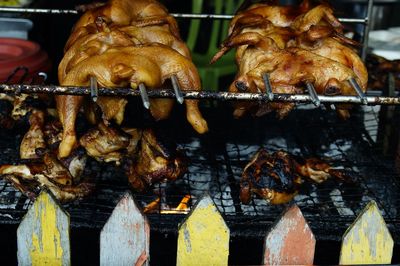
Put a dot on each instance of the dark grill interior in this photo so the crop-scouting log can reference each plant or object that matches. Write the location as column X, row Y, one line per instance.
column 217, row 160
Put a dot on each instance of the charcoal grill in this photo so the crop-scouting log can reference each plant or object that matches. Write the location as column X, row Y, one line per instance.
column 217, row 160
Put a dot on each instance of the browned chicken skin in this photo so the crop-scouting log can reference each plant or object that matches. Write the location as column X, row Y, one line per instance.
column 105, row 144
column 125, row 43
column 294, row 46
column 277, row 177
column 154, row 163
column 124, row 13
column 128, row 66
column 51, row 174
column 34, row 138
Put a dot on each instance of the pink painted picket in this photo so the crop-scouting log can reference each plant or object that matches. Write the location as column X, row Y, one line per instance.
column 290, row 241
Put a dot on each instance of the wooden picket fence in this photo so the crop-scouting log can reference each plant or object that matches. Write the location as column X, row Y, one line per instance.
column 203, row 239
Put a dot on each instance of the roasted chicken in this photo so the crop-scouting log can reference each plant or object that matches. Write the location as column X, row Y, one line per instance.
column 125, row 43
column 294, row 46
column 150, row 65
column 277, row 177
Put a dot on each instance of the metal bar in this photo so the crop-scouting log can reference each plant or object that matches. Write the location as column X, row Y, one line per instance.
column 366, row 30
column 358, row 90
column 313, row 94
column 177, row 15
column 177, row 90
column 94, row 92
column 38, row 10
column 268, row 86
column 225, row 96
column 144, row 96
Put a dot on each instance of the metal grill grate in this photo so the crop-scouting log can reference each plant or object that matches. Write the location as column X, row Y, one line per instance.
column 216, row 163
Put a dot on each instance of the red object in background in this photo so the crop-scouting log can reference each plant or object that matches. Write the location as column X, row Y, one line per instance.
column 23, row 54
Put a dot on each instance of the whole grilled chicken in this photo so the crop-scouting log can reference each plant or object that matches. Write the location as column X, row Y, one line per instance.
column 129, row 66
column 288, row 68
column 277, row 177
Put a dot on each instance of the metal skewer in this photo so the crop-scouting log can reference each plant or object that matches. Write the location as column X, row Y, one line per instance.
column 94, row 92
column 313, row 94
column 268, row 87
column 373, row 98
column 358, row 90
column 177, row 15
column 144, row 96
column 177, row 90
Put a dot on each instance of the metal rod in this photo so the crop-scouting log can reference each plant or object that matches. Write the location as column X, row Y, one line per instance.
column 223, row 96
column 367, row 28
column 177, row 15
column 94, row 92
column 38, row 10
column 144, row 96
column 268, row 86
column 177, row 90
column 358, row 90
column 313, row 94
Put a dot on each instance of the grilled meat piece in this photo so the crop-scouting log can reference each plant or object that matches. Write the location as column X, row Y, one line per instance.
column 34, row 138
column 154, row 163
column 277, row 177
column 51, row 174
column 105, row 144
column 271, row 177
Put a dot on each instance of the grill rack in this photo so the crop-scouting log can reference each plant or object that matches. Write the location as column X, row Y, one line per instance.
column 216, row 164
column 328, row 216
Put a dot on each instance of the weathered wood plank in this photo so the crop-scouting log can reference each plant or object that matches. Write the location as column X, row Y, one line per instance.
column 125, row 238
column 367, row 240
column 43, row 235
column 290, row 241
column 203, row 238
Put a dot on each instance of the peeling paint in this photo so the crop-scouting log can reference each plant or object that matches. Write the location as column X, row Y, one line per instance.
column 290, row 241
column 367, row 241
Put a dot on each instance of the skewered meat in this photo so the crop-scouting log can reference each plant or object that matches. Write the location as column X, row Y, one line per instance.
column 294, row 47
column 154, row 163
column 277, row 177
column 150, row 65
column 133, row 42
column 335, row 50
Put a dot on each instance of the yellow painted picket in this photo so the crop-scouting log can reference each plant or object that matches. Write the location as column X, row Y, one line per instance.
column 367, row 240
column 203, row 238
column 43, row 235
